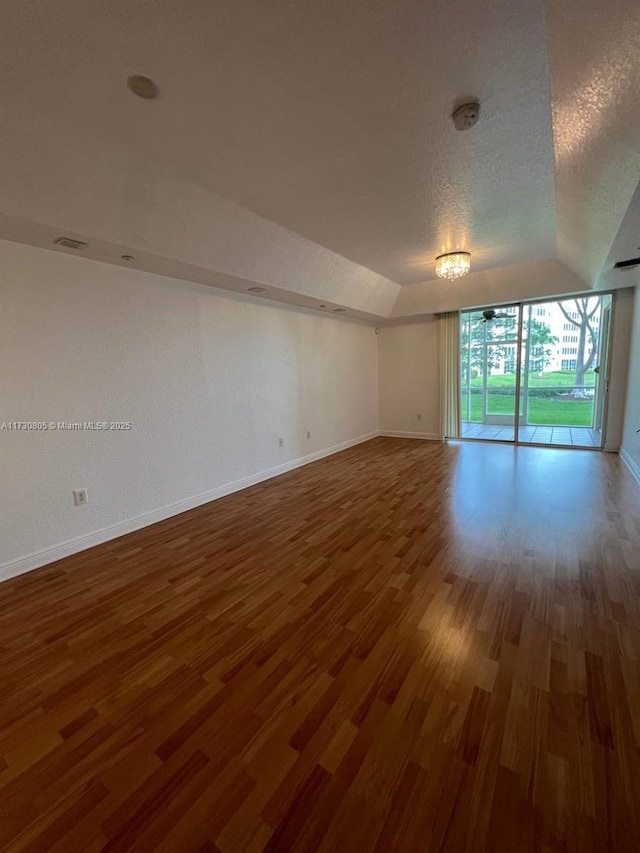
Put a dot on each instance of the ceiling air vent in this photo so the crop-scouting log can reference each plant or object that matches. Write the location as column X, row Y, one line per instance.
column 627, row 265
column 69, row 243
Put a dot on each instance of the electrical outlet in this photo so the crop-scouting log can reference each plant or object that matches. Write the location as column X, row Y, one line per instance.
column 281, row 442
column 80, row 497
column 308, row 434
column 419, row 417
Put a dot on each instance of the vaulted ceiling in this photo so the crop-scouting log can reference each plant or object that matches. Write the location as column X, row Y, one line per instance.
column 308, row 147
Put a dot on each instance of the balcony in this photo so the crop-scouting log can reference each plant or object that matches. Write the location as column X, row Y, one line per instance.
column 551, row 412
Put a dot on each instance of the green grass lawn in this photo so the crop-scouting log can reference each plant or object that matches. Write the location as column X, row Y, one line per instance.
column 541, row 410
column 553, row 379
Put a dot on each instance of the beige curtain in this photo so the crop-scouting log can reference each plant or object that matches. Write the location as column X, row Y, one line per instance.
column 449, row 364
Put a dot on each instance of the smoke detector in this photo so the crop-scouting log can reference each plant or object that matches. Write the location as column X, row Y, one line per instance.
column 466, row 116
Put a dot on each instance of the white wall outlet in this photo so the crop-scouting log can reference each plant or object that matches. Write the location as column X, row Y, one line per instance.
column 80, row 497
column 281, row 442
column 419, row 417
column 308, row 434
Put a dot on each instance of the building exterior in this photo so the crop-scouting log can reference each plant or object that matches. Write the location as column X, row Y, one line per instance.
column 564, row 352
column 559, row 356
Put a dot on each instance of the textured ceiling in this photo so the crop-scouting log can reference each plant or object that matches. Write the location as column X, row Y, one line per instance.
column 594, row 54
column 625, row 247
column 331, row 120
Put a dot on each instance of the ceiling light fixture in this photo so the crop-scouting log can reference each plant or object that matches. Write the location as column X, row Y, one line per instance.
column 256, row 289
column 453, row 265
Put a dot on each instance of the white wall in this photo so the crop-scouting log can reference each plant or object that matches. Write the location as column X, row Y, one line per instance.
column 408, row 379
column 209, row 381
column 631, row 439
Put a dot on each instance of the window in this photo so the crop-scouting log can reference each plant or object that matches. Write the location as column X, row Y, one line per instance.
column 568, row 364
column 510, row 360
column 536, row 359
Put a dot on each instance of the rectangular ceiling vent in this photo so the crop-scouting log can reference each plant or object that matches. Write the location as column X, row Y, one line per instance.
column 627, row 265
column 69, row 243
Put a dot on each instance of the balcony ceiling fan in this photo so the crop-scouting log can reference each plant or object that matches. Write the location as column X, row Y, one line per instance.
column 491, row 314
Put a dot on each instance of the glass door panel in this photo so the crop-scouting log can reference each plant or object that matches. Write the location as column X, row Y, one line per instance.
column 472, row 338
column 500, row 397
column 563, row 357
column 488, row 345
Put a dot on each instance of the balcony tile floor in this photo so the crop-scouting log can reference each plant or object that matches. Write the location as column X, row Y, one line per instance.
column 568, row 436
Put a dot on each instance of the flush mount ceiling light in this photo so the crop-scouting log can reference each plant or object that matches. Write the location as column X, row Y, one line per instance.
column 453, row 265
column 143, row 87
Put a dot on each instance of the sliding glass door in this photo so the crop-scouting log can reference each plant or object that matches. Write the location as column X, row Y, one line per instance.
column 545, row 360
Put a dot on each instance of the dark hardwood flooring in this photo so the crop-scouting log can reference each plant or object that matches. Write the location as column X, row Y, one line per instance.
column 408, row 646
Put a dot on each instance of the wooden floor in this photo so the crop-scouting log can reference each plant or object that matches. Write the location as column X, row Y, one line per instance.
column 408, row 646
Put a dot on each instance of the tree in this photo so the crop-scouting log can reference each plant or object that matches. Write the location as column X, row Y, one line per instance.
column 474, row 332
column 584, row 325
column 541, row 343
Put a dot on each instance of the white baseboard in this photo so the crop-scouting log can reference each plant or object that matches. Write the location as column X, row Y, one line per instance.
column 428, row 436
column 20, row 566
column 631, row 465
